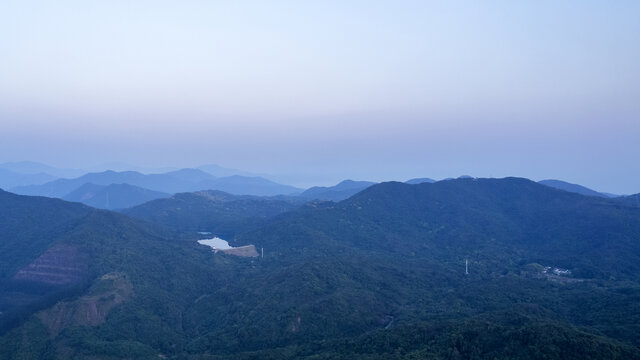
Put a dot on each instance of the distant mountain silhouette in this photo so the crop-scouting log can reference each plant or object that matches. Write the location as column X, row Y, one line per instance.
column 10, row 179
column 31, row 167
column 419, row 181
column 574, row 188
column 61, row 187
column 184, row 180
column 247, row 185
column 339, row 192
column 219, row 171
column 114, row 196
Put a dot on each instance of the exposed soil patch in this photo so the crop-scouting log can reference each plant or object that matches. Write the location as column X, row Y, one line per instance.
column 91, row 309
column 60, row 265
column 245, row 251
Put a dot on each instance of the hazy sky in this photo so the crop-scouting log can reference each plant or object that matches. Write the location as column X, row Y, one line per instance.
column 318, row 91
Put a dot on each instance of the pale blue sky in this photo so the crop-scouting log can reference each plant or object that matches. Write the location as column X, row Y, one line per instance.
column 328, row 89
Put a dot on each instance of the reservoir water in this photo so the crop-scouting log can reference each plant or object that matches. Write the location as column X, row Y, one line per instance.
column 216, row 243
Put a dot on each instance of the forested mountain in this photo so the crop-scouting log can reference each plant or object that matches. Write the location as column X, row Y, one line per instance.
column 217, row 212
column 339, row 192
column 479, row 216
column 114, row 196
column 110, row 271
column 380, row 275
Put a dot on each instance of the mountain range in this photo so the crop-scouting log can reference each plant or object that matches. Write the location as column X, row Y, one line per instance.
column 380, row 275
column 31, row 167
column 171, row 182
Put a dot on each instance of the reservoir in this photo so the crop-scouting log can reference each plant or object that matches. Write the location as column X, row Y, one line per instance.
column 216, row 243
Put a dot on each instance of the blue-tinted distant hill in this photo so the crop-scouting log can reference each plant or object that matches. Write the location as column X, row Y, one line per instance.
column 247, row 185
column 169, row 182
column 219, row 171
column 419, row 181
column 184, row 180
column 339, row 192
column 114, row 196
column 10, row 179
column 31, row 167
column 574, row 188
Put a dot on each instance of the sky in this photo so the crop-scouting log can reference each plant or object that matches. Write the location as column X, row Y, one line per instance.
column 313, row 92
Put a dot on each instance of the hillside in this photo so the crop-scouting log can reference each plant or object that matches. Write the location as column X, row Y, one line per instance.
column 86, row 257
column 114, row 196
